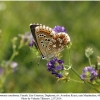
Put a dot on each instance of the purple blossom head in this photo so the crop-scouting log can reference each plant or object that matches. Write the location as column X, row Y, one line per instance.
column 55, row 66
column 89, row 73
column 31, row 43
column 27, row 37
column 59, row 29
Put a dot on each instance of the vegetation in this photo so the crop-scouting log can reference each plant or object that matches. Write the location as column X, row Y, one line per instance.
column 81, row 20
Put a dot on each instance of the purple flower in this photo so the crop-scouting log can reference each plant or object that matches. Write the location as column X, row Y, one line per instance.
column 59, row 29
column 89, row 73
column 59, row 75
column 58, row 67
column 83, row 76
column 27, row 37
column 31, row 43
column 55, row 66
column 89, row 69
column 60, row 61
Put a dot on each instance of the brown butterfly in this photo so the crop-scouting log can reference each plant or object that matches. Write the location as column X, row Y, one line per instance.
column 47, row 41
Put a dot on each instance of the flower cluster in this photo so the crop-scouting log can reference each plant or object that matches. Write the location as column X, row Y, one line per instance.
column 26, row 38
column 59, row 29
column 56, row 67
column 89, row 73
column 31, row 43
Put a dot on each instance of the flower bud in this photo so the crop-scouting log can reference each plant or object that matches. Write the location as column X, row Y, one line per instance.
column 88, row 52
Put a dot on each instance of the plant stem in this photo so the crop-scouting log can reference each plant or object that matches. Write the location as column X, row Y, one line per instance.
column 89, row 61
column 11, row 58
column 69, row 56
column 76, row 81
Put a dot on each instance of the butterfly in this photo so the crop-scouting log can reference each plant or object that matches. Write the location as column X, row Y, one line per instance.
column 47, row 41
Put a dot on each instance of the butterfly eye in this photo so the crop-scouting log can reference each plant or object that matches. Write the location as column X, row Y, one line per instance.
column 43, row 57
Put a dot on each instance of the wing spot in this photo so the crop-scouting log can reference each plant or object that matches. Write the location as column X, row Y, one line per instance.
column 38, row 36
column 54, row 46
column 49, row 48
column 59, row 44
column 53, row 40
column 44, row 35
column 46, row 39
column 43, row 45
column 41, row 42
column 50, row 43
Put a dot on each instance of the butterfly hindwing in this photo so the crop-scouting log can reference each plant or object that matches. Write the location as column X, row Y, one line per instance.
column 57, row 43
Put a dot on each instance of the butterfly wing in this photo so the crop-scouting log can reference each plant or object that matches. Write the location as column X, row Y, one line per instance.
column 58, row 42
column 47, row 41
column 42, row 36
column 32, row 27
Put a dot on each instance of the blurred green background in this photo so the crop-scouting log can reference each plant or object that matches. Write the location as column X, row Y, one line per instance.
column 82, row 21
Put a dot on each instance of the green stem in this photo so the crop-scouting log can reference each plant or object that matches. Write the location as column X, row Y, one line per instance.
column 75, row 72
column 76, row 81
column 11, row 58
column 89, row 61
column 69, row 56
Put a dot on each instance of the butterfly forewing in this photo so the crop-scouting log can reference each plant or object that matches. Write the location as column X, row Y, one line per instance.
column 43, row 35
column 32, row 27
